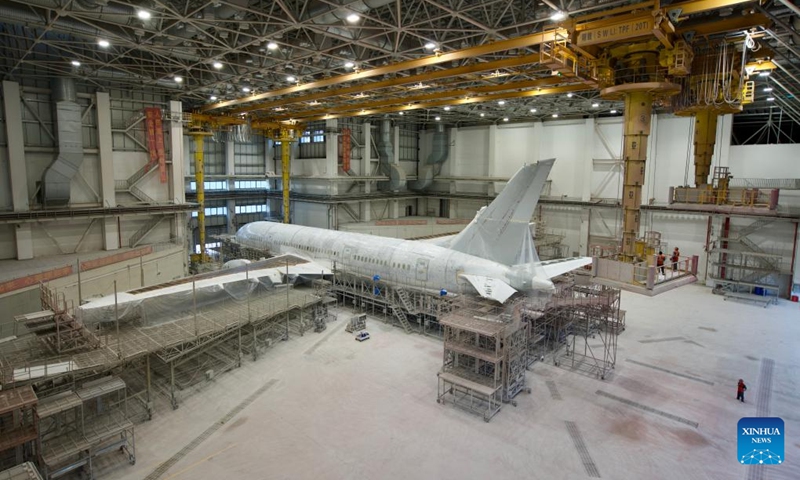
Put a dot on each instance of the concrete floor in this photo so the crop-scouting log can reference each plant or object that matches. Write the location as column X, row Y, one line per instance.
column 339, row 409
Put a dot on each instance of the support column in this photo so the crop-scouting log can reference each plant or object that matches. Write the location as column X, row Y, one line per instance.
column 177, row 170
column 396, row 144
column 586, row 168
column 106, row 154
column 286, row 170
column 705, row 136
column 638, row 110
column 230, row 171
column 332, row 153
column 12, row 109
column 724, row 141
column 366, row 155
column 199, row 178
column 491, row 157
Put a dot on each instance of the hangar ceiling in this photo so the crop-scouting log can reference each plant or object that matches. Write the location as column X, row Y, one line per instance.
column 210, row 52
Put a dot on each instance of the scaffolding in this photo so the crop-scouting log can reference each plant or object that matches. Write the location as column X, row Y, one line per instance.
column 576, row 328
column 485, row 356
column 19, row 426
column 78, row 426
column 24, row 471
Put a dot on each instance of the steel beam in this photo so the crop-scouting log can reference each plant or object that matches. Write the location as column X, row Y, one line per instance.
column 436, row 59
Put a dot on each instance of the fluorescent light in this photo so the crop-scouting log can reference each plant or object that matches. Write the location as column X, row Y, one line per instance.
column 143, row 14
column 245, row 89
column 595, row 105
column 555, row 115
column 217, row 65
column 76, row 63
column 505, row 119
column 349, row 65
column 770, row 99
column 569, row 95
column 447, row 108
column 501, row 102
column 177, row 78
column 430, row 45
column 103, row 43
column 353, row 18
column 438, row 118
column 558, row 15
column 764, row 74
column 767, row 89
column 213, row 98
column 401, row 113
column 613, row 111
column 272, row 46
column 533, row 110
column 290, row 79
column 483, row 114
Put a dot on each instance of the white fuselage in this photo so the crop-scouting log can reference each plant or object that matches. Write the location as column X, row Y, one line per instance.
column 404, row 262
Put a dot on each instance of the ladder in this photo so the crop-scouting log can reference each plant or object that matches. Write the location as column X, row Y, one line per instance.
column 401, row 316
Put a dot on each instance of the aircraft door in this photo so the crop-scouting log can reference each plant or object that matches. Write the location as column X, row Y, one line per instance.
column 422, row 269
column 347, row 255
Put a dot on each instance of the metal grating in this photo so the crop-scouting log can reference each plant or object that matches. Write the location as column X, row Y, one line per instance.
column 583, row 452
column 554, row 394
column 671, row 372
column 648, row 409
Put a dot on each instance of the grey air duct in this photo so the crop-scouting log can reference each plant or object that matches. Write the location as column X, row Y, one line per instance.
column 55, row 185
column 433, row 164
column 397, row 177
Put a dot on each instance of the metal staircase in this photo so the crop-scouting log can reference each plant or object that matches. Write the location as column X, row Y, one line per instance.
column 401, row 316
column 405, row 300
column 148, row 227
column 129, row 185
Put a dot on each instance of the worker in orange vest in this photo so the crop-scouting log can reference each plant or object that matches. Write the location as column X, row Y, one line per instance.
column 660, row 262
column 676, row 256
column 740, row 389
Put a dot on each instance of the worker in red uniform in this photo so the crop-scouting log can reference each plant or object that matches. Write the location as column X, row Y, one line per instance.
column 740, row 389
column 676, row 256
column 660, row 259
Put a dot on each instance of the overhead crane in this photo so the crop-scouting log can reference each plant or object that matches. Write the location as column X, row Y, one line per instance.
column 201, row 125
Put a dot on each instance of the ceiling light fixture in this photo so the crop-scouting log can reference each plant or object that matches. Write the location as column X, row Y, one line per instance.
column 505, row 119
column 246, row 89
column 447, row 108
column 763, row 74
column 767, row 89
column 177, row 78
column 438, row 118
column 430, row 46
column 272, row 46
column 103, row 43
column 558, row 16
column 143, row 14
column 483, row 114
column 613, row 111
column 291, row 79
column 217, row 65
column 401, row 113
column 533, row 110
column 353, row 18
column 555, row 115
column 770, row 99
column 76, row 63
column 569, row 95
column 501, row 102
column 349, row 65
column 595, row 105
column 213, row 98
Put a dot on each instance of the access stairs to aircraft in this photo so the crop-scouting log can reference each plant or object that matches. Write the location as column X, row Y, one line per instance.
column 405, row 300
column 400, row 315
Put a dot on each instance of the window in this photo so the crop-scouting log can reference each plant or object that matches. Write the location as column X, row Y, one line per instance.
column 250, row 185
column 319, row 136
column 250, row 209
column 209, row 246
column 217, row 185
column 306, row 137
column 211, row 211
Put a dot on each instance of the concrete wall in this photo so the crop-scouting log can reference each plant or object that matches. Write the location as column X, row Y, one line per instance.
column 160, row 266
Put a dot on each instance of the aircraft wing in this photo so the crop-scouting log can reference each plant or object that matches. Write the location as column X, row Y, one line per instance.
column 554, row 268
column 490, row 288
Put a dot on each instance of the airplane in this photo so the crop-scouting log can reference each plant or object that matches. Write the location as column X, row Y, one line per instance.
column 494, row 254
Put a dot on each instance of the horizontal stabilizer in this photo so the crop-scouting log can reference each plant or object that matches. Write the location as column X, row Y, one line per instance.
column 490, row 288
column 554, row 268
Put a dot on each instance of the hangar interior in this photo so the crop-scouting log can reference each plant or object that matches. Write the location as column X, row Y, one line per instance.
column 143, row 336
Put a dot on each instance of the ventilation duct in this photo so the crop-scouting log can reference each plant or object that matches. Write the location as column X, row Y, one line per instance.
column 433, row 164
column 397, row 177
column 55, row 185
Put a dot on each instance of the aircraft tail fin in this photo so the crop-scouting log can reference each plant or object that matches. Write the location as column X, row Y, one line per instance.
column 501, row 231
